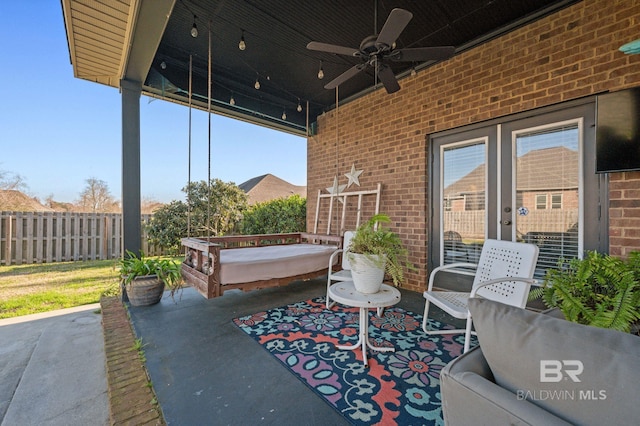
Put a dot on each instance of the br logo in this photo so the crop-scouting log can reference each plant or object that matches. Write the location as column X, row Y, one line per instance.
column 553, row 370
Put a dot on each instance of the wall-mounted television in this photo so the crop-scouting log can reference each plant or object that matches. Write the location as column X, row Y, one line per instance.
column 618, row 131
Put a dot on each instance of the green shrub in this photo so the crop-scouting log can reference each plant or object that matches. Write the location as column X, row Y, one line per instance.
column 168, row 225
column 276, row 216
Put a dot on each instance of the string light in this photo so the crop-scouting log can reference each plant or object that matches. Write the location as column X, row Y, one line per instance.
column 163, row 65
column 242, row 45
column 194, row 29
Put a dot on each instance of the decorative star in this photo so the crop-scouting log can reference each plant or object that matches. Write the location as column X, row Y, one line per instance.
column 335, row 188
column 353, row 176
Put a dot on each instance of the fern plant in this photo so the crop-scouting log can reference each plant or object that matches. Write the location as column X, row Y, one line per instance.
column 373, row 240
column 599, row 290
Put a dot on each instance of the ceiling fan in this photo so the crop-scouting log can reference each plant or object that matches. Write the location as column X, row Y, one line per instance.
column 376, row 50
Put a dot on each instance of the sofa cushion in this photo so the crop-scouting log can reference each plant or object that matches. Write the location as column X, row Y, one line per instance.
column 583, row 374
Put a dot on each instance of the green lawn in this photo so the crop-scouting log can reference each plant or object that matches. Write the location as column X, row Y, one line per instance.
column 30, row 289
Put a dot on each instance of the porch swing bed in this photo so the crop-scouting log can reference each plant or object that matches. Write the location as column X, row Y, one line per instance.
column 213, row 265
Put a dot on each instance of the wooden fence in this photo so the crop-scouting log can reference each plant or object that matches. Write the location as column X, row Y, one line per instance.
column 37, row 237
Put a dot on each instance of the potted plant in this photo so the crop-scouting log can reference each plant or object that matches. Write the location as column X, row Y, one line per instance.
column 375, row 251
column 145, row 278
column 599, row 290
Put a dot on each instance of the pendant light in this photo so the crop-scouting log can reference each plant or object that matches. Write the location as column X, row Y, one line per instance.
column 242, row 45
column 194, row 29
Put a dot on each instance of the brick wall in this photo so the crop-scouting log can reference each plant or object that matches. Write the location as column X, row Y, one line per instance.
column 624, row 213
column 568, row 55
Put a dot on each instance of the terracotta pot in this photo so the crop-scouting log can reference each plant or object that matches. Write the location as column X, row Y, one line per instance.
column 145, row 291
column 367, row 273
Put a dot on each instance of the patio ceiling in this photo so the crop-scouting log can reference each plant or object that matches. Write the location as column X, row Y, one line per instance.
column 150, row 41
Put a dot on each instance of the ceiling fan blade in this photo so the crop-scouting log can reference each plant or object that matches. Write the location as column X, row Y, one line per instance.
column 344, row 76
column 386, row 76
column 396, row 22
column 332, row 48
column 422, row 54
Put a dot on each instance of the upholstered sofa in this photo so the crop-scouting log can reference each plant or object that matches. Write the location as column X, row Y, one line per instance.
column 537, row 369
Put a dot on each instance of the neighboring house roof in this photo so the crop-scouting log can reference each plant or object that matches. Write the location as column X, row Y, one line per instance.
column 269, row 187
column 548, row 169
column 150, row 207
column 60, row 206
column 15, row 201
column 538, row 170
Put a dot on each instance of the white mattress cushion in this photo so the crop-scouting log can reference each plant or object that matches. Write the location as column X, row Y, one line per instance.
column 243, row 265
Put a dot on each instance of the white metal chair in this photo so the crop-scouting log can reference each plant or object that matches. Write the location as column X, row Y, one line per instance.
column 503, row 273
column 345, row 273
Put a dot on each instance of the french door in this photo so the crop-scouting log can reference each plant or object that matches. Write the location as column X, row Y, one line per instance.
column 525, row 178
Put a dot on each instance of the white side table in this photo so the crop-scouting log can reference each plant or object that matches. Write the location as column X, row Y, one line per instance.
column 345, row 293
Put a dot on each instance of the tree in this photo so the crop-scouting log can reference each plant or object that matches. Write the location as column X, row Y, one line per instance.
column 96, row 197
column 10, row 180
column 218, row 212
column 168, row 225
column 214, row 210
column 276, row 216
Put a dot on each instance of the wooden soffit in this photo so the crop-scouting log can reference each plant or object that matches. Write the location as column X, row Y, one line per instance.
column 112, row 40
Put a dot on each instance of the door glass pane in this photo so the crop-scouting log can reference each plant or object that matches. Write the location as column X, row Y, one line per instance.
column 463, row 202
column 547, row 196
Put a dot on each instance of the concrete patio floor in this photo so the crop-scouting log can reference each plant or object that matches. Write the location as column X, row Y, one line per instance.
column 62, row 369
column 205, row 370
column 52, row 369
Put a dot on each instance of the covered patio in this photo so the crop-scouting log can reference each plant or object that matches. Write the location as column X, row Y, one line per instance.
column 511, row 62
column 149, row 48
column 519, row 72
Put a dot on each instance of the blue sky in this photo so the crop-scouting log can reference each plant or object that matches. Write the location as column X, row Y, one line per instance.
column 56, row 131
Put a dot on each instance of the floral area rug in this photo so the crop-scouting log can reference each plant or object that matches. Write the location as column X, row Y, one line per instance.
column 401, row 387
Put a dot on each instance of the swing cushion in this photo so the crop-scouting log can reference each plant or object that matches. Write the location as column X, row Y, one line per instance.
column 243, row 265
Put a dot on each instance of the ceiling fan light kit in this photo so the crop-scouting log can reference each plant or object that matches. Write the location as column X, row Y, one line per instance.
column 376, row 50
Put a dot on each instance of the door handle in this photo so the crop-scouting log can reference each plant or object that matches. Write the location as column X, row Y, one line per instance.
column 506, row 222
